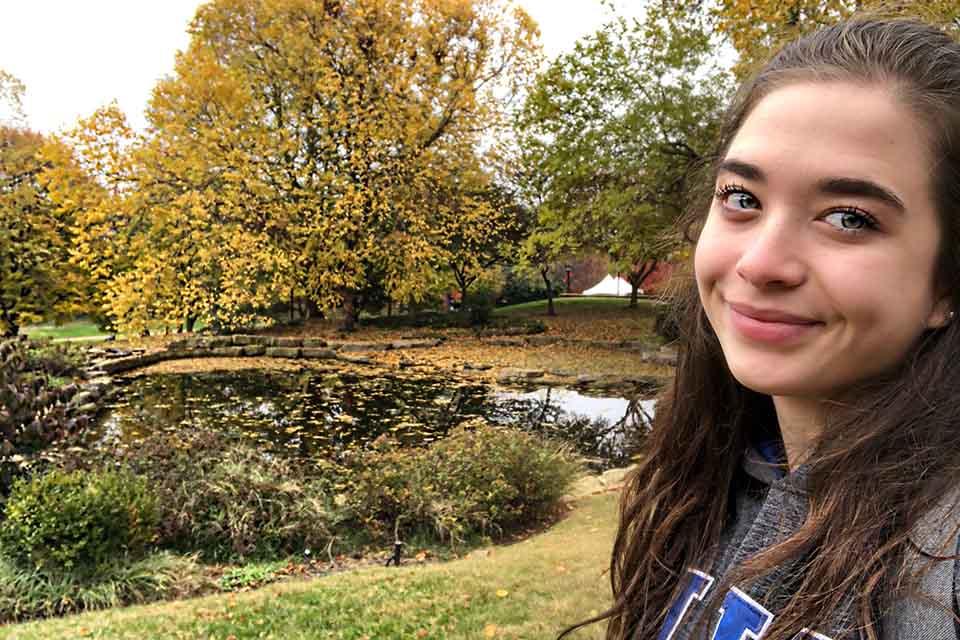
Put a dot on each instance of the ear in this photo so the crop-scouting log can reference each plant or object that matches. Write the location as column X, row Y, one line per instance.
column 940, row 315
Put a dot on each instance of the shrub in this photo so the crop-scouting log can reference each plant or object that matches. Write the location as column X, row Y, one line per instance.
column 665, row 322
column 59, row 360
column 33, row 413
column 480, row 480
column 28, row 593
column 521, row 286
column 76, row 523
column 229, row 500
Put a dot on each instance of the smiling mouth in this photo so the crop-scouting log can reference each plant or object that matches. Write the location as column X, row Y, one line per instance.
column 769, row 325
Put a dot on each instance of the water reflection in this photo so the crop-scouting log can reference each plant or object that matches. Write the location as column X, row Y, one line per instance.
column 607, row 430
column 311, row 413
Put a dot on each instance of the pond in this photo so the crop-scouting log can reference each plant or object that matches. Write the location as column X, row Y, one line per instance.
column 313, row 413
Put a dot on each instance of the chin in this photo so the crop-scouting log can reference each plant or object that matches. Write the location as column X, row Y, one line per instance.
column 774, row 381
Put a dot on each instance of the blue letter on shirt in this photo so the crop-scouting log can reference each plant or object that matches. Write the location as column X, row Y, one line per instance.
column 697, row 589
column 741, row 618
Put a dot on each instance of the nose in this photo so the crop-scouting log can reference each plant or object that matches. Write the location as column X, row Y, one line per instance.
column 771, row 256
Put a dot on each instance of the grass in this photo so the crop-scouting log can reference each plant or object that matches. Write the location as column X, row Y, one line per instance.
column 528, row 590
column 75, row 329
column 578, row 304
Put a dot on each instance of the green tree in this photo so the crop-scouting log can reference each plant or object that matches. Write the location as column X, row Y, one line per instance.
column 482, row 225
column 615, row 129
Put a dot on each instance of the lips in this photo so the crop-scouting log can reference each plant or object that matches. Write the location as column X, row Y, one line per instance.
column 770, row 315
column 769, row 325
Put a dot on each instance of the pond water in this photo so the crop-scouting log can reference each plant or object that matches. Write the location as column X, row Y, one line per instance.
column 312, row 413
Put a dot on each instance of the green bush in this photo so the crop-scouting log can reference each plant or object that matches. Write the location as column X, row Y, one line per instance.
column 76, row 523
column 665, row 323
column 27, row 593
column 58, row 360
column 227, row 499
column 479, row 481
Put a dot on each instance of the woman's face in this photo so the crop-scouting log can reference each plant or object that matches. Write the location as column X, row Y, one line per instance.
column 815, row 265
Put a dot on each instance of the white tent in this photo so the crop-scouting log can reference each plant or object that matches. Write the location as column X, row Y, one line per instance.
column 609, row 286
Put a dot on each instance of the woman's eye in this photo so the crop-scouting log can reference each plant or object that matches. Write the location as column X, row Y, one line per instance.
column 737, row 198
column 851, row 221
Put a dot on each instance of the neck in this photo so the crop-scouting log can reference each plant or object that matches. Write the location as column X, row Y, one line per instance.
column 801, row 425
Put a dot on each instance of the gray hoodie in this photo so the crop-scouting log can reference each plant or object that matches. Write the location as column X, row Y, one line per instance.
column 767, row 509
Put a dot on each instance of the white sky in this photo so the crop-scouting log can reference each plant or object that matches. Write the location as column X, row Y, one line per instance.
column 77, row 55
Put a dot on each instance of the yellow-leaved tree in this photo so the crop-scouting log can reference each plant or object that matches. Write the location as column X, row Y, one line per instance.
column 317, row 130
column 34, row 279
column 88, row 177
column 757, row 27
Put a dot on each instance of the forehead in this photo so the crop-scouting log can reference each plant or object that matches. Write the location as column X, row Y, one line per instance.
column 812, row 130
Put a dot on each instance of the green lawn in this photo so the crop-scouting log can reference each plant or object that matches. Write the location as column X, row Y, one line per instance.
column 574, row 303
column 73, row 330
column 528, row 590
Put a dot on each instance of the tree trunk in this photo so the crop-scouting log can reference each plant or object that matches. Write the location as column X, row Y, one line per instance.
column 350, row 311
column 292, row 304
column 637, row 276
column 551, row 311
column 313, row 309
column 190, row 322
column 389, row 308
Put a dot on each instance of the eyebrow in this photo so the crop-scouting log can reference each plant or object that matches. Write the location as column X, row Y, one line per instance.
column 834, row 186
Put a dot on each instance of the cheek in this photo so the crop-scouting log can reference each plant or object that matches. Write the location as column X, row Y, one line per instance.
column 712, row 258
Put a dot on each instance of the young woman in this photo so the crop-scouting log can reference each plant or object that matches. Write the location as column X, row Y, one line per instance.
column 803, row 474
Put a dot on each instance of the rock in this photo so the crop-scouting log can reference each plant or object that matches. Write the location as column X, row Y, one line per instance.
column 289, row 342
column 468, row 366
column 414, row 344
column 178, row 345
column 585, row 378
column 148, row 359
column 101, row 383
column 355, row 359
column 316, row 353
column 90, row 374
column 406, row 364
column 220, row 341
column 227, row 352
column 243, row 340
column 506, row 342
column 561, row 373
column 314, row 343
column 363, row 346
column 513, row 375
column 282, row 352
column 119, row 365
column 82, row 398
column 87, row 409
column 540, row 341
column 254, row 350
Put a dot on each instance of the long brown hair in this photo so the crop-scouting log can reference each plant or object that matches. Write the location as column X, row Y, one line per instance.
column 894, row 445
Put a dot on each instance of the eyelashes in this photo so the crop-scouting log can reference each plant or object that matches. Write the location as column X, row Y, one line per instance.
column 725, row 190
column 845, row 219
